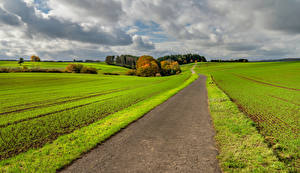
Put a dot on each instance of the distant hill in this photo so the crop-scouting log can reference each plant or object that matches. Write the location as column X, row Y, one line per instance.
column 283, row 59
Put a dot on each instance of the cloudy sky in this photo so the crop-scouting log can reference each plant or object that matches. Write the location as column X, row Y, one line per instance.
column 92, row 29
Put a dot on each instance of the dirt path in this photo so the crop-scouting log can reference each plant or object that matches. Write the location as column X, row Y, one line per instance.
column 176, row 136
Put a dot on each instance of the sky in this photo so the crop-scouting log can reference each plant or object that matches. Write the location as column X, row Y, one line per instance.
column 93, row 29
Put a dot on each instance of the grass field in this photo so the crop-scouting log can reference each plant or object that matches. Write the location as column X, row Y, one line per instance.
column 37, row 108
column 100, row 66
column 269, row 93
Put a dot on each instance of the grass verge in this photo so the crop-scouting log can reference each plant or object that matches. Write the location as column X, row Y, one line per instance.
column 66, row 148
column 241, row 147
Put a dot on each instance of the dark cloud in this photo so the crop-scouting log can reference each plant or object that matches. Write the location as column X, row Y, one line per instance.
column 54, row 28
column 8, row 18
column 284, row 16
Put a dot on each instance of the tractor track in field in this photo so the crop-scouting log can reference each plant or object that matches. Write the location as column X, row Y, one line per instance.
column 265, row 83
column 39, row 143
column 56, row 103
column 50, row 113
column 176, row 136
column 269, row 120
column 75, row 99
column 285, row 100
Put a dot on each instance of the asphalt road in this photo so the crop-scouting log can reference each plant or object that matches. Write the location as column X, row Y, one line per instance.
column 177, row 136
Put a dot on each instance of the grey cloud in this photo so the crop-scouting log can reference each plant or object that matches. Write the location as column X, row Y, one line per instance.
column 109, row 10
column 284, row 16
column 8, row 18
column 54, row 28
column 141, row 44
column 241, row 47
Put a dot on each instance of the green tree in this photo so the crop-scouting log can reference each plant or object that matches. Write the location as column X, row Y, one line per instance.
column 21, row 60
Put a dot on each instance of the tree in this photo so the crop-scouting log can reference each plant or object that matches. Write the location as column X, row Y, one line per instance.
column 21, row 60
column 35, row 58
column 169, row 67
column 110, row 60
column 147, row 66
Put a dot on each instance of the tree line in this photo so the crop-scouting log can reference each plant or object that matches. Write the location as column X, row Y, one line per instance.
column 183, row 59
column 128, row 61
column 231, row 60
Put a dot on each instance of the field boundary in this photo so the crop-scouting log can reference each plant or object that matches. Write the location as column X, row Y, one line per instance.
column 242, row 148
column 66, row 148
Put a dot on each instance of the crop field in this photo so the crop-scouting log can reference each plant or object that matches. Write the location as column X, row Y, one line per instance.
column 100, row 66
column 269, row 93
column 36, row 108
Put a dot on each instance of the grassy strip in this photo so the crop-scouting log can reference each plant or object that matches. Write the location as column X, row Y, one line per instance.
column 66, row 148
column 241, row 147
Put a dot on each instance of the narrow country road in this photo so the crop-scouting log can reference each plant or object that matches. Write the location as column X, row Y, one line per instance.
column 176, row 136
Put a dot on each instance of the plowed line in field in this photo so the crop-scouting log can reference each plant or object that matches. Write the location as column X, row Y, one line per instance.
column 52, row 104
column 53, row 136
column 50, row 113
column 285, row 100
column 265, row 83
column 270, row 120
column 59, row 98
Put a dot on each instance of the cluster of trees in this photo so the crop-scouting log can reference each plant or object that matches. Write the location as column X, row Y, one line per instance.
column 183, row 59
column 128, row 61
column 33, row 58
column 79, row 68
column 231, row 60
column 148, row 66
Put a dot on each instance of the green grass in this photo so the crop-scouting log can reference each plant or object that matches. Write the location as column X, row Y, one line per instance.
column 269, row 94
column 241, row 147
column 61, row 151
column 102, row 67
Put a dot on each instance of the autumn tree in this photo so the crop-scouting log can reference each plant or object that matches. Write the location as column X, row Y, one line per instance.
column 147, row 66
column 35, row 58
column 169, row 67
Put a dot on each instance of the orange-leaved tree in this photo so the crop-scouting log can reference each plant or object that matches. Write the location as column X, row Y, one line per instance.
column 35, row 58
column 169, row 67
column 147, row 66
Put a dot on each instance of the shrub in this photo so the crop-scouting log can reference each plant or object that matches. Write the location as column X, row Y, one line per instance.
column 89, row 70
column 169, row 67
column 35, row 58
column 131, row 72
column 147, row 66
column 108, row 73
column 74, row 68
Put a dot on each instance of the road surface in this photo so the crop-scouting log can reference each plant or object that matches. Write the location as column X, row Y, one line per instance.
column 176, row 136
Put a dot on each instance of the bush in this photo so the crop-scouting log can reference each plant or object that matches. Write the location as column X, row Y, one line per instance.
column 169, row 67
column 79, row 68
column 89, row 70
column 74, row 68
column 108, row 73
column 131, row 72
column 147, row 66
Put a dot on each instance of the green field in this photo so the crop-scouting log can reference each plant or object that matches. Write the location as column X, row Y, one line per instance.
column 100, row 66
column 37, row 108
column 269, row 93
